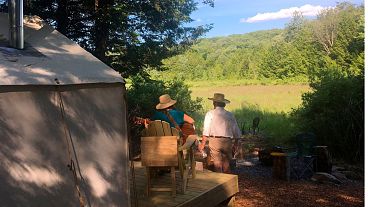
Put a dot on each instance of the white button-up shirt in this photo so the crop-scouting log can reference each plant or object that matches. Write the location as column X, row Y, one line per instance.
column 219, row 122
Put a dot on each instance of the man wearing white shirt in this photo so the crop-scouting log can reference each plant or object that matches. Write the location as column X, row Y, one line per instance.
column 220, row 127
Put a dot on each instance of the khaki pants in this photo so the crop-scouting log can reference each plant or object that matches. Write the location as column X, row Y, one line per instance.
column 221, row 153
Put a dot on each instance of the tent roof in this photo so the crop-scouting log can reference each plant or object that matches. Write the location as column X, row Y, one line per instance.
column 48, row 55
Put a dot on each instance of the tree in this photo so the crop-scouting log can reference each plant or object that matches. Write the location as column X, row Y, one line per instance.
column 325, row 29
column 128, row 35
column 343, row 49
column 232, row 57
column 283, row 61
column 294, row 27
column 334, row 109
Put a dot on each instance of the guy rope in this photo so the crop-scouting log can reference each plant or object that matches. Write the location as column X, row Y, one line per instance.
column 70, row 144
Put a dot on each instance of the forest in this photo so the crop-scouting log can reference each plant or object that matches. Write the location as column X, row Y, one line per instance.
column 152, row 47
column 327, row 53
column 304, row 51
column 296, row 93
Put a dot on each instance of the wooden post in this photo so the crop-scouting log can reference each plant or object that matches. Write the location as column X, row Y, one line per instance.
column 173, row 182
column 148, row 180
column 281, row 166
column 192, row 163
column 230, row 202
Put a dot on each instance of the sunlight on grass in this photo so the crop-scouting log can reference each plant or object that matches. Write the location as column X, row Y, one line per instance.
column 241, row 82
column 272, row 103
column 271, row 98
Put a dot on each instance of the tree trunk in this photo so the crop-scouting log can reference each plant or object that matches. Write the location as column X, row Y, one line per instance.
column 62, row 16
column 102, row 19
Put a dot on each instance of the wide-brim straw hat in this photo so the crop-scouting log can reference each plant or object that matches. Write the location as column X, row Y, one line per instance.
column 165, row 102
column 219, row 97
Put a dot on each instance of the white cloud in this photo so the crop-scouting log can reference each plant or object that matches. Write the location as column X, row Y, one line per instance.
column 198, row 20
column 306, row 10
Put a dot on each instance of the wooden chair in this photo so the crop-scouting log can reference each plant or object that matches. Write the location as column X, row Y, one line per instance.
column 161, row 146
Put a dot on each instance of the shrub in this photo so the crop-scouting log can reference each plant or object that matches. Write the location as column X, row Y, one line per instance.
column 334, row 111
column 142, row 98
column 277, row 127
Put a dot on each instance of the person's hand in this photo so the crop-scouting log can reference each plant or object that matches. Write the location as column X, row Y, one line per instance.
column 146, row 123
column 201, row 146
column 235, row 150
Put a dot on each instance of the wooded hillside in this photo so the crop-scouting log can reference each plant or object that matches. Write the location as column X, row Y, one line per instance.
column 235, row 56
column 304, row 49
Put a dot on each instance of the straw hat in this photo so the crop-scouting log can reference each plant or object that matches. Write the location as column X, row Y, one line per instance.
column 165, row 102
column 219, row 97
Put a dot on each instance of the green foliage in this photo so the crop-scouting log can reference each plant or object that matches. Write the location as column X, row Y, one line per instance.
column 284, row 61
column 143, row 94
column 335, row 112
column 328, row 51
column 343, row 49
column 304, row 50
column 271, row 103
column 294, row 27
column 232, row 57
column 128, row 35
column 277, row 127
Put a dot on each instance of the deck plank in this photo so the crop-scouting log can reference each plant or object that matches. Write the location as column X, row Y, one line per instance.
column 206, row 190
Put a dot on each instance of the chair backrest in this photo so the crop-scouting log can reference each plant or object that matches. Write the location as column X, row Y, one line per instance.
column 159, row 151
column 159, row 128
column 305, row 143
column 159, row 145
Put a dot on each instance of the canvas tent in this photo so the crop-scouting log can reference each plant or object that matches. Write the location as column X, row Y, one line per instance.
column 47, row 129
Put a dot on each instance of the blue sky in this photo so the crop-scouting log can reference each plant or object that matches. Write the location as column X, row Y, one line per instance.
column 243, row 16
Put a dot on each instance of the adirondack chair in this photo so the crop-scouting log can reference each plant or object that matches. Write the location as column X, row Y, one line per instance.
column 162, row 146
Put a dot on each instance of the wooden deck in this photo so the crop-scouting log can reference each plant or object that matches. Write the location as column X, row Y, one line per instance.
column 206, row 190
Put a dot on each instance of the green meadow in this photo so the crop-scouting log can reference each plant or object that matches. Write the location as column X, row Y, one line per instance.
column 272, row 103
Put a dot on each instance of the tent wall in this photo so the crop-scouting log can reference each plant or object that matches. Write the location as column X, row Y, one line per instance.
column 34, row 151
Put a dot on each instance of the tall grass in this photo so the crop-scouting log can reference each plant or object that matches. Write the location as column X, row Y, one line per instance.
column 243, row 82
column 272, row 103
column 277, row 127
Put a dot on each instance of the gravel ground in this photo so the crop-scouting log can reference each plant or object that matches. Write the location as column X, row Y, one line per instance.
column 257, row 188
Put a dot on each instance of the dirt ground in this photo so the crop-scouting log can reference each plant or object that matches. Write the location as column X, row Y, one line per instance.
column 259, row 189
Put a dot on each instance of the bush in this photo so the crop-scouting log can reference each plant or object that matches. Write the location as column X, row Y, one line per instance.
column 334, row 111
column 142, row 98
column 278, row 128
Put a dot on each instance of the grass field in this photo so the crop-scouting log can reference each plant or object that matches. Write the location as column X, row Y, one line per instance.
column 272, row 103
column 271, row 98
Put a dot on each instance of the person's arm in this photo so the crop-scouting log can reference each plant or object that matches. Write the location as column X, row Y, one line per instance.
column 188, row 119
column 203, row 143
column 206, row 130
column 143, row 121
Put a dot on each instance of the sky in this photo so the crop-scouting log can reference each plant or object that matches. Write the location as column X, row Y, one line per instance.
column 242, row 16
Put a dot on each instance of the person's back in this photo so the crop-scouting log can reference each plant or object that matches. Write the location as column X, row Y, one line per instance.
column 177, row 115
column 223, row 123
column 220, row 127
column 177, row 119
